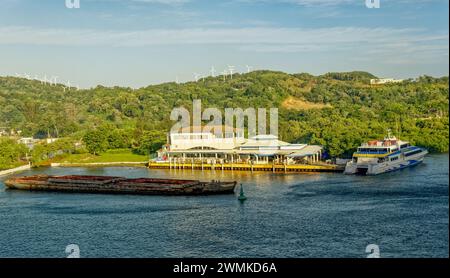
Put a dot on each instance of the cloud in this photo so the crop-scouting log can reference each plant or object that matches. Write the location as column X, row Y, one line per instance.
column 308, row 3
column 167, row 2
column 163, row 2
column 377, row 43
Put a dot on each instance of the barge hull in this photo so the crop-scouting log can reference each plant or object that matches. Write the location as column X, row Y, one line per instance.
column 117, row 185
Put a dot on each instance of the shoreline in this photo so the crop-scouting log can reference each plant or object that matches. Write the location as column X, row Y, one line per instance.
column 153, row 165
column 15, row 170
column 100, row 164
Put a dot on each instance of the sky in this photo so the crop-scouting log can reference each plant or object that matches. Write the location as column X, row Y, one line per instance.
column 142, row 42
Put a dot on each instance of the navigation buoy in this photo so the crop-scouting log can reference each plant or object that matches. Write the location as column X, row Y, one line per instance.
column 242, row 195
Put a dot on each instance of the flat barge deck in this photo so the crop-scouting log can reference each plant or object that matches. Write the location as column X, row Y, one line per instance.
column 119, row 185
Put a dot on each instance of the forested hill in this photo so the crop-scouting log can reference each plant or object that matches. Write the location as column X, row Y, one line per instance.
column 337, row 110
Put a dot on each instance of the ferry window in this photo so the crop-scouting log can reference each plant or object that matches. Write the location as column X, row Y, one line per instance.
column 413, row 153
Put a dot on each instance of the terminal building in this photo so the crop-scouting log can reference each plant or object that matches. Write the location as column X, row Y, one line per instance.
column 232, row 147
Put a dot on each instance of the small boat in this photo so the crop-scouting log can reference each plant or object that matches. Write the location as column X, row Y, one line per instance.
column 377, row 157
column 119, row 185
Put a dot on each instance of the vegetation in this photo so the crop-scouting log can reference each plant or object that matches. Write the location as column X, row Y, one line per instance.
column 43, row 152
column 119, row 155
column 12, row 154
column 337, row 110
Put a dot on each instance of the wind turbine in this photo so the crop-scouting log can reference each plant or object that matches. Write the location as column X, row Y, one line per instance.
column 54, row 79
column 231, row 69
column 176, row 80
column 225, row 73
column 68, row 84
column 213, row 71
column 196, row 76
column 249, row 68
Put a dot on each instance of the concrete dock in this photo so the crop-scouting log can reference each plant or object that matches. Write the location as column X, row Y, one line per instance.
column 248, row 167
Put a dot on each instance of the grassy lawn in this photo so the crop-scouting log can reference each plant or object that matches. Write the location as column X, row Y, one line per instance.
column 109, row 156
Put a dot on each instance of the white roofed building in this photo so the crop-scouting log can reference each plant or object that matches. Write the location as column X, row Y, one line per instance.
column 381, row 81
column 234, row 147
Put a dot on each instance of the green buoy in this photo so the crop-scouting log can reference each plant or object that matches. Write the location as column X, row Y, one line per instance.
column 241, row 195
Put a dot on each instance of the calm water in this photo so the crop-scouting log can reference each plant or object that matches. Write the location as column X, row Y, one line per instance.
column 292, row 215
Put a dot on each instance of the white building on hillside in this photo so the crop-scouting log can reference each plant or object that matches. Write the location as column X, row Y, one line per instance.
column 28, row 141
column 384, row 81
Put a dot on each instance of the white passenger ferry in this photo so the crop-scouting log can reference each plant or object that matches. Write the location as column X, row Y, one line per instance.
column 377, row 157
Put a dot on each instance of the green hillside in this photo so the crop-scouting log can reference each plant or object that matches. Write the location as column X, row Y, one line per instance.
column 337, row 110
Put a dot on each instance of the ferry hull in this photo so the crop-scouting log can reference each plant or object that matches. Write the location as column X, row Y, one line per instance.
column 376, row 169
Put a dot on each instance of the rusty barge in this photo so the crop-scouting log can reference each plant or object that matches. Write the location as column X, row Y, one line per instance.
column 119, row 185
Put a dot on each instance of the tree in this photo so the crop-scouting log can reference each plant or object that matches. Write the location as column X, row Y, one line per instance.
column 96, row 142
column 11, row 153
column 355, row 111
column 150, row 142
column 118, row 139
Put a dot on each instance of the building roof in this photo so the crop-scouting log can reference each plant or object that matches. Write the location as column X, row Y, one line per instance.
column 263, row 143
column 264, row 137
column 306, row 151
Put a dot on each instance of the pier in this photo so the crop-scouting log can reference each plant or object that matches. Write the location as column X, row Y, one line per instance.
column 230, row 150
column 276, row 168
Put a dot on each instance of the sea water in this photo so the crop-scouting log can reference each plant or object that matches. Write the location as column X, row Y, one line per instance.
column 404, row 213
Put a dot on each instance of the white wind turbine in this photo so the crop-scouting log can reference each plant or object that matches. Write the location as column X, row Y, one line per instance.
column 68, row 84
column 196, row 76
column 45, row 79
column 213, row 71
column 55, row 78
column 249, row 68
column 224, row 73
column 231, row 69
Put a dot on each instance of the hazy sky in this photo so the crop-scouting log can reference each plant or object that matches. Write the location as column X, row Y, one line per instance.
column 141, row 42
